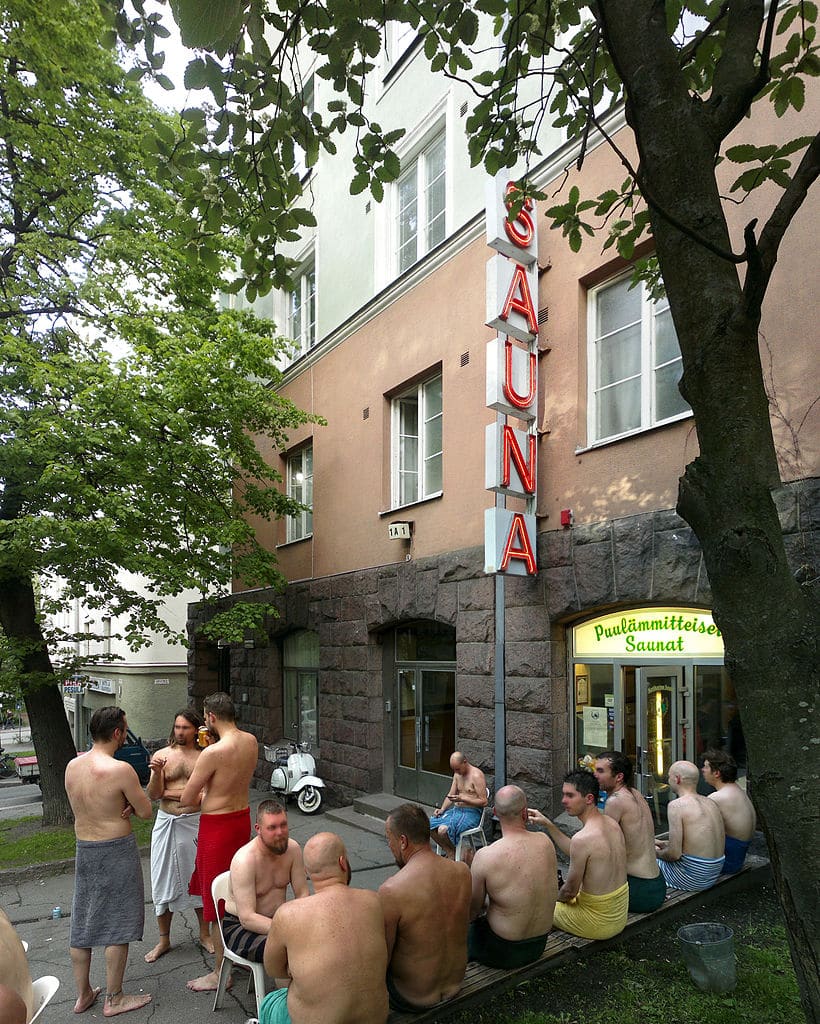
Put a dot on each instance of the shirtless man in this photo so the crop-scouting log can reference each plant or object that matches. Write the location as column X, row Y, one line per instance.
column 426, row 916
column 108, row 907
column 218, row 785
column 516, row 882
column 260, row 873
column 647, row 888
column 331, row 945
column 692, row 858
column 173, row 840
column 461, row 808
column 720, row 770
column 16, row 996
column 593, row 900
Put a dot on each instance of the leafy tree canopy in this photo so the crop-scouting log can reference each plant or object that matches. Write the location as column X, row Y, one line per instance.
column 127, row 393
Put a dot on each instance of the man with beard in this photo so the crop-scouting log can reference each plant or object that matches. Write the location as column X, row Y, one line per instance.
column 173, row 840
column 108, row 907
column 260, row 874
column 426, row 915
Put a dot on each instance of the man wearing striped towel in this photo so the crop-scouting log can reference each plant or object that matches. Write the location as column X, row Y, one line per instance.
column 692, row 858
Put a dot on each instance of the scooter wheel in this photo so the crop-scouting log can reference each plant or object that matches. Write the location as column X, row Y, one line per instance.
column 309, row 800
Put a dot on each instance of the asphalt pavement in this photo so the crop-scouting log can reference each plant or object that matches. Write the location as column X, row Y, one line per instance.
column 29, row 895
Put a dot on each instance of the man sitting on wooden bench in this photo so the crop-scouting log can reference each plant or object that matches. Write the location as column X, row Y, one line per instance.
column 736, row 809
column 515, row 885
column 692, row 858
column 593, row 900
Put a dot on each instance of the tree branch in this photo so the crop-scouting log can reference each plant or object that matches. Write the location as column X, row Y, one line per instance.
column 763, row 253
column 738, row 76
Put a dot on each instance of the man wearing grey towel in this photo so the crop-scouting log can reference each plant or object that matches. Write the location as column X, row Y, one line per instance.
column 108, row 907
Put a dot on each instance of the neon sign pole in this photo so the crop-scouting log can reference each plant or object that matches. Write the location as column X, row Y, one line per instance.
column 511, row 390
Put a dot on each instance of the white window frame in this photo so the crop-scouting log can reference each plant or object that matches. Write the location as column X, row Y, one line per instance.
column 308, row 106
column 649, row 310
column 300, row 526
column 417, row 392
column 399, row 37
column 303, row 333
column 415, row 167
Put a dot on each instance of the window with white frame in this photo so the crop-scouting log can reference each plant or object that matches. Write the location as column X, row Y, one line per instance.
column 417, row 443
column 300, row 488
column 634, row 361
column 421, row 204
column 399, row 36
column 302, row 312
column 308, row 107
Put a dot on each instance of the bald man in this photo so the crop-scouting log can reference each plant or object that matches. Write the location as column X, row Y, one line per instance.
column 461, row 808
column 515, row 886
column 693, row 856
column 16, row 996
column 331, row 945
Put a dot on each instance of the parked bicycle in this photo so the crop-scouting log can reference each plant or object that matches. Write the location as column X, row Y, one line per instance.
column 7, row 768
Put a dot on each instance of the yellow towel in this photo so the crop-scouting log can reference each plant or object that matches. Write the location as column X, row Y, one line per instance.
column 594, row 917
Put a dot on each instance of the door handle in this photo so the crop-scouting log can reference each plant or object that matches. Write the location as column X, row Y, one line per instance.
column 418, row 736
column 426, row 733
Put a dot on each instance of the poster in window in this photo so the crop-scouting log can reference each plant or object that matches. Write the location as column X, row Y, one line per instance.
column 582, row 689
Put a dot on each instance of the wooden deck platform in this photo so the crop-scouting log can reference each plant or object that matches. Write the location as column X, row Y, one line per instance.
column 482, row 982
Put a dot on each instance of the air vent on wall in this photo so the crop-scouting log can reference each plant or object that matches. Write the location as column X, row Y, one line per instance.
column 463, row 110
column 543, row 315
column 366, row 413
column 367, row 206
column 465, row 358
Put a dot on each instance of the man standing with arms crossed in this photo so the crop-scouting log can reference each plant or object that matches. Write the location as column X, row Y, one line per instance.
column 260, row 873
column 626, row 806
column 737, row 810
column 593, row 900
column 223, row 771
column 426, row 914
column 173, row 840
column 331, row 945
column 692, row 858
column 517, row 880
column 108, row 907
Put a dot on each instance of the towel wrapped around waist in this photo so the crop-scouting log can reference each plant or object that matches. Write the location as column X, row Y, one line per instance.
column 108, row 908
column 220, row 836
column 594, row 916
column 691, row 873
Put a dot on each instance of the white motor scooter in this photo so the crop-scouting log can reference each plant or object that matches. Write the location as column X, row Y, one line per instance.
column 295, row 772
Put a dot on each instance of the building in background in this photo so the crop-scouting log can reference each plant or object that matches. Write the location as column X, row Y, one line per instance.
column 386, row 653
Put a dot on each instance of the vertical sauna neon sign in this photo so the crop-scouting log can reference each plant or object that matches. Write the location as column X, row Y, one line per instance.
column 512, row 381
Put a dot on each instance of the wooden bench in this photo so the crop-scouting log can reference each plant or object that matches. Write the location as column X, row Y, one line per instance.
column 481, row 982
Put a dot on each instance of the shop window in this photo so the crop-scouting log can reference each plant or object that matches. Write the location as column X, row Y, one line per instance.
column 594, row 693
column 300, row 659
column 634, row 362
column 717, row 715
column 300, row 488
column 417, row 443
column 420, row 204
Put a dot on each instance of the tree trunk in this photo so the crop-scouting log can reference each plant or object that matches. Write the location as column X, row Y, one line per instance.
column 49, row 725
column 768, row 620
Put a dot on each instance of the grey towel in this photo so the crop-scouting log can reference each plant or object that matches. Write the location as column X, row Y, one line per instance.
column 108, row 908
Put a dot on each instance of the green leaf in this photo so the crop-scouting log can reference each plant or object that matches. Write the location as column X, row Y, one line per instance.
column 211, row 25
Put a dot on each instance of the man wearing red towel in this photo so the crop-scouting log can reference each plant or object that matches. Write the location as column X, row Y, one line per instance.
column 223, row 771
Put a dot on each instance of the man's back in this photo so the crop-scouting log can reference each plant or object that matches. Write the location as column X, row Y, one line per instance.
column 98, row 788
column 428, row 904
column 701, row 823
column 519, row 873
column 737, row 811
column 229, row 766
column 337, row 957
column 601, row 845
column 630, row 810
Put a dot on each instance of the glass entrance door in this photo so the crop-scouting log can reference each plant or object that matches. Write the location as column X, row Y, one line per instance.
column 425, row 699
column 652, row 735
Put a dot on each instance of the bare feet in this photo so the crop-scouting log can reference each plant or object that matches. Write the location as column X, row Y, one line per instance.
column 115, row 1005
column 206, row 942
column 159, row 950
column 87, row 1000
column 207, row 983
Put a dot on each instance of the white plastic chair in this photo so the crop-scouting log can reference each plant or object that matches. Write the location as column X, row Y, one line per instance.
column 220, row 890
column 43, row 989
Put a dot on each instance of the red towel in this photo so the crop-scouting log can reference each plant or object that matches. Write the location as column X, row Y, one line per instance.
column 220, row 836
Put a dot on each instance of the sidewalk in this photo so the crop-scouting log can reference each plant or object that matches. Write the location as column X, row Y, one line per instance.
column 29, row 904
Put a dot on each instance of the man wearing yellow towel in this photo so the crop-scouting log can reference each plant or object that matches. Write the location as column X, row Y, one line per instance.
column 593, row 900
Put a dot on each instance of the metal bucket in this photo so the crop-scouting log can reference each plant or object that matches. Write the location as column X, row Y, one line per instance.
column 709, row 953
